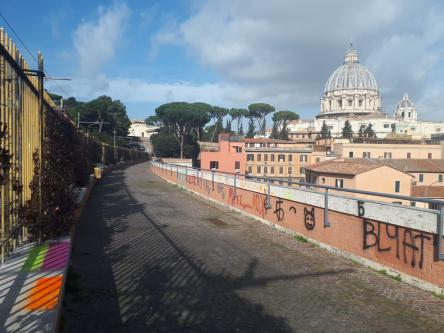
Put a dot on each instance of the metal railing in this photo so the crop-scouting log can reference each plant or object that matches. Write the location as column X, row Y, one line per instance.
column 309, row 186
column 24, row 106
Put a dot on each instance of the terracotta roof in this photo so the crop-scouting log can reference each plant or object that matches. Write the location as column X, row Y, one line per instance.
column 264, row 140
column 346, row 166
column 416, row 165
column 428, row 191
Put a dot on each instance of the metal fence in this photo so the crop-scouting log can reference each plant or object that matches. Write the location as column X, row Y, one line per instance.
column 23, row 106
column 438, row 205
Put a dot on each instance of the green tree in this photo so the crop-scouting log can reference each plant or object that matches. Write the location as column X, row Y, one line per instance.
column 325, row 131
column 260, row 111
column 347, row 131
column 109, row 114
column 181, row 119
column 369, row 132
column 263, row 127
column 217, row 113
column 361, row 132
column 153, row 121
column 281, row 120
column 241, row 130
column 165, row 145
column 275, row 131
column 228, row 126
column 251, row 128
column 239, row 115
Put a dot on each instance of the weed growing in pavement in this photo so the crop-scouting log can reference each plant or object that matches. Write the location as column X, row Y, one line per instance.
column 301, row 239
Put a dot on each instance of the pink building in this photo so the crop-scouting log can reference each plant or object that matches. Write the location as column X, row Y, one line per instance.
column 227, row 156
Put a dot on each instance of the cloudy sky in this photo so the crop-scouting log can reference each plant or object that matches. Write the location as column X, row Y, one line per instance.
column 234, row 52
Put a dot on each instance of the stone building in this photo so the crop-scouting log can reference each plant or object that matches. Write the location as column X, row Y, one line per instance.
column 351, row 93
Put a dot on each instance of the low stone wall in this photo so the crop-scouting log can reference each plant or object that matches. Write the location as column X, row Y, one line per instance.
column 398, row 239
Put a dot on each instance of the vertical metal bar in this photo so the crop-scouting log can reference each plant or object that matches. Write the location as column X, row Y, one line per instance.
column 440, row 229
column 326, row 221
column 268, row 200
column 235, row 186
column 177, row 171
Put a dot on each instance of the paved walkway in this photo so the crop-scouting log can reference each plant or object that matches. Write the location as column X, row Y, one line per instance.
column 150, row 257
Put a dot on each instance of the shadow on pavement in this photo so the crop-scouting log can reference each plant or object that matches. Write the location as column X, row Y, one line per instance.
column 137, row 277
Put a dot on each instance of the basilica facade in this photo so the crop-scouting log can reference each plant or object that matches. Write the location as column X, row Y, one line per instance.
column 351, row 93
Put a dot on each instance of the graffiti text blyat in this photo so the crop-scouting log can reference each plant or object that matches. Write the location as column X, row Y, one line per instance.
column 407, row 244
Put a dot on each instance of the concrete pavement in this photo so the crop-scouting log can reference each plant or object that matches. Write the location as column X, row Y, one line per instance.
column 149, row 256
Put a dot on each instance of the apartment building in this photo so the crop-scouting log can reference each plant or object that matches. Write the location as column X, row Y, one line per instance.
column 361, row 174
column 227, row 155
column 279, row 158
column 388, row 150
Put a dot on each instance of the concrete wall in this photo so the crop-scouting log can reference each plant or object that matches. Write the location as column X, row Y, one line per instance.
column 396, row 238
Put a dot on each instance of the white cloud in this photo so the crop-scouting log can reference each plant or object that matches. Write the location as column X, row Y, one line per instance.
column 96, row 41
column 283, row 51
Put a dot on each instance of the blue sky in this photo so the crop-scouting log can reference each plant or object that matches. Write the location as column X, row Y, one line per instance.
column 233, row 53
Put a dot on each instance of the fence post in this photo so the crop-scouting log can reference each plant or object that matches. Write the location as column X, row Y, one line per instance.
column 326, row 221
column 268, row 200
column 235, row 185
column 440, row 230
column 177, row 171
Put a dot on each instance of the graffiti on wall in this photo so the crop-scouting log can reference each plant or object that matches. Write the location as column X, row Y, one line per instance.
column 407, row 244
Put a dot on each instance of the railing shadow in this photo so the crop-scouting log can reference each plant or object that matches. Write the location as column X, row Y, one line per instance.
column 160, row 285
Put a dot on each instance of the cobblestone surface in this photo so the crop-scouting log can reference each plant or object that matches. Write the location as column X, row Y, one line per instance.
column 149, row 256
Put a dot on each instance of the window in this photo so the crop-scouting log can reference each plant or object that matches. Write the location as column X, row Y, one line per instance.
column 440, row 178
column 303, row 158
column 272, row 157
column 290, row 170
column 429, row 156
column 238, row 149
column 386, row 126
column 302, row 171
column 366, row 154
column 318, row 159
column 360, row 102
column 290, row 157
column 409, row 155
column 250, row 169
column 421, row 178
column 272, row 170
column 340, row 103
column 350, row 102
column 413, row 203
column 350, row 154
column 339, row 183
column 258, row 169
column 265, row 170
column 281, row 170
column 259, row 157
column 214, row 165
column 281, row 157
column 236, row 165
column 265, row 157
column 387, row 155
column 397, row 186
column 250, row 157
